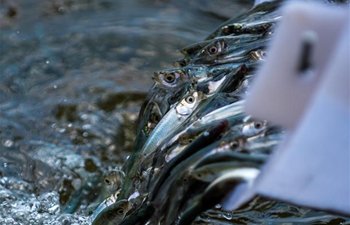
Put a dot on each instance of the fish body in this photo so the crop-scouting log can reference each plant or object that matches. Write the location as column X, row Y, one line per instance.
column 208, row 173
column 194, row 48
column 216, row 191
column 172, row 120
column 110, row 211
column 201, row 142
column 168, row 125
column 231, row 112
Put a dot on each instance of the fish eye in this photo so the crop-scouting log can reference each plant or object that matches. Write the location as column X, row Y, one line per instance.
column 213, row 50
column 107, row 181
column 169, row 78
column 234, row 144
column 155, row 118
column 120, row 211
column 263, row 54
column 199, row 175
column 190, row 140
column 190, row 99
column 258, row 125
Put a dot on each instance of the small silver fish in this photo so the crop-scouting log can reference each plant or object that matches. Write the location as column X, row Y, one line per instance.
column 230, row 112
column 112, row 214
column 210, row 172
column 217, row 191
column 112, row 182
column 194, row 48
column 153, row 118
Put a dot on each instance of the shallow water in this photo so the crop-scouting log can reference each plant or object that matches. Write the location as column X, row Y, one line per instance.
column 73, row 74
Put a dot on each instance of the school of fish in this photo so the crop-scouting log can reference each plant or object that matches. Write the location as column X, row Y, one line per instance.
column 195, row 144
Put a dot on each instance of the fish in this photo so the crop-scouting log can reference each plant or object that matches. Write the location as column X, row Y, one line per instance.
column 221, row 46
column 180, row 175
column 199, row 143
column 176, row 144
column 174, row 117
column 112, row 182
column 232, row 153
column 212, row 85
column 208, row 173
column 262, row 145
column 193, row 129
column 233, row 54
column 198, row 73
column 217, row 191
column 151, row 114
column 152, row 118
column 217, row 47
column 112, row 214
column 176, row 174
column 183, row 188
column 154, row 104
column 139, row 217
column 232, row 112
column 235, row 78
column 255, row 28
column 266, row 11
column 182, row 62
column 194, row 48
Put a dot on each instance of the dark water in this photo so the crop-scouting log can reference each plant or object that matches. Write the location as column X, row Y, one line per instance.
column 73, row 74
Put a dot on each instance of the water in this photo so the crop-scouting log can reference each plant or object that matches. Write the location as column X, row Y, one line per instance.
column 73, row 74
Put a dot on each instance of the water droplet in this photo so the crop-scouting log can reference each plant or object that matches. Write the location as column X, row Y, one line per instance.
column 55, row 87
column 61, row 10
column 84, row 116
column 7, row 143
column 61, row 130
column 206, row 133
column 47, row 61
column 87, row 126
